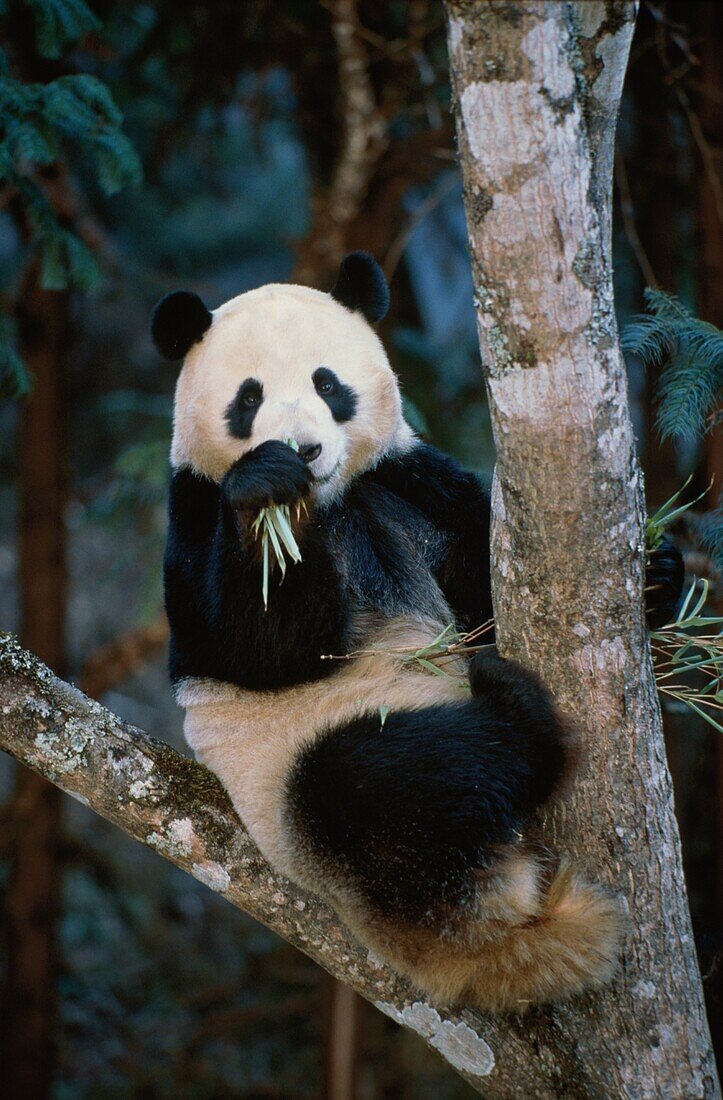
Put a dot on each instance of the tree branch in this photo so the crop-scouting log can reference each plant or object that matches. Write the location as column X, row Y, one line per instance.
column 364, row 140
column 179, row 808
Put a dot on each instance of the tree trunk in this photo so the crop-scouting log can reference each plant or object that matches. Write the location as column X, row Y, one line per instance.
column 342, row 1046
column 32, row 896
column 537, row 89
column 363, row 141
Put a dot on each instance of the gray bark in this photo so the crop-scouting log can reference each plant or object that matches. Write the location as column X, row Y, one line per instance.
column 537, row 89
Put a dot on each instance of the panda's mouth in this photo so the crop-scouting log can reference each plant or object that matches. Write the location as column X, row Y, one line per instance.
column 326, row 478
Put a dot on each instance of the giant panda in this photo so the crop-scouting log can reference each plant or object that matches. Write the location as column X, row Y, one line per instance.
column 402, row 797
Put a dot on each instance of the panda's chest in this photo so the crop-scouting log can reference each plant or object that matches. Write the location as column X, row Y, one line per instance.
column 387, row 553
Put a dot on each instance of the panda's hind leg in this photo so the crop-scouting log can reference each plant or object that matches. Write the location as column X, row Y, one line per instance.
column 542, row 733
column 519, row 941
column 410, row 823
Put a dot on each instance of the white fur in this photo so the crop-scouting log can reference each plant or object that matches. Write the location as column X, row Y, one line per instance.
column 280, row 335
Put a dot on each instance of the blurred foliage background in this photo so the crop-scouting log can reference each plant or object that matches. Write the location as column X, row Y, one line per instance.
column 218, row 146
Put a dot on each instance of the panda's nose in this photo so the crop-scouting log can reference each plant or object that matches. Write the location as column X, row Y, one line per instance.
column 310, row 451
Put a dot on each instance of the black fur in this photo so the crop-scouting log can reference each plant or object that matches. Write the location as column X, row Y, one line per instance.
column 664, row 584
column 387, row 551
column 455, row 503
column 340, row 398
column 241, row 411
column 178, row 322
column 272, row 473
column 361, row 286
column 411, row 805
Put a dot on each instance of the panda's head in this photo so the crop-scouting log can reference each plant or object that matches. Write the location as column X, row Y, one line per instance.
column 285, row 362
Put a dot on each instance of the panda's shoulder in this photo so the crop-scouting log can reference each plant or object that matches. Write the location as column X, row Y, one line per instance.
column 417, row 475
column 193, row 501
column 398, row 466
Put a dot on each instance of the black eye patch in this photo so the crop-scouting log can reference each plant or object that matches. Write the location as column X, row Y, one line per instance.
column 241, row 411
column 340, row 398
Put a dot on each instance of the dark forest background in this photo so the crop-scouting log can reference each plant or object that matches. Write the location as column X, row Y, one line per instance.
column 217, row 146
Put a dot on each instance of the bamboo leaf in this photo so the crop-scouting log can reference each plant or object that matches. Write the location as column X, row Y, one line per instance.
column 686, row 603
column 708, row 717
column 701, row 601
column 265, row 578
column 277, row 547
column 280, row 522
column 431, row 667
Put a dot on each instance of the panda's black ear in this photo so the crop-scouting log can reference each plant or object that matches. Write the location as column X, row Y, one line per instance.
column 178, row 322
column 361, row 286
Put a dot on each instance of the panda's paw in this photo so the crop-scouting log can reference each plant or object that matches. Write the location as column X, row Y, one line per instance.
column 664, row 578
column 272, row 473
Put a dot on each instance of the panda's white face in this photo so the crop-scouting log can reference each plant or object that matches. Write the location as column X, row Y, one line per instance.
column 287, row 362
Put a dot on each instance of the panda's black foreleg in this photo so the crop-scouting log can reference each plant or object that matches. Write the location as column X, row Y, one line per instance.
column 307, row 614
column 457, row 504
column 213, row 579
